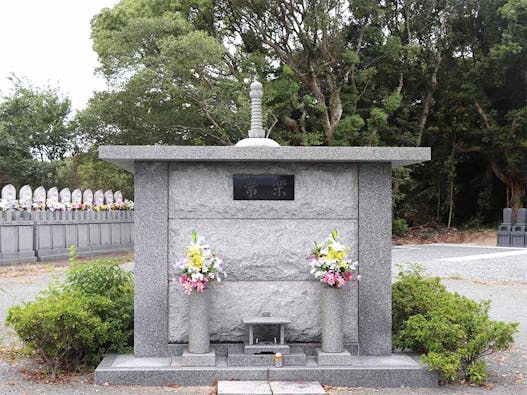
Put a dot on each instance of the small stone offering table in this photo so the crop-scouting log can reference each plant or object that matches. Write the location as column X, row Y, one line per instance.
column 267, row 345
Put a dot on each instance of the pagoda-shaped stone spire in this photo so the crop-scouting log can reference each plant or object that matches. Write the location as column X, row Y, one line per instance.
column 256, row 133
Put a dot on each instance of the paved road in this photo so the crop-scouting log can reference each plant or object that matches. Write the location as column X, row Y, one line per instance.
column 480, row 263
column 479, row 272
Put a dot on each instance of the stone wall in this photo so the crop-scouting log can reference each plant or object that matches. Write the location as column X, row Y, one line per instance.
column 28, row 236
column 265, row 244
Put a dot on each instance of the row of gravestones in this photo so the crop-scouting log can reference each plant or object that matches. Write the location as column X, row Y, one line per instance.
column 26, row 194
column 513, row 235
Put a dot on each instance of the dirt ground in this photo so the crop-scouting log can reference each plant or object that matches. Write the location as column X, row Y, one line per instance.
column 428, row 234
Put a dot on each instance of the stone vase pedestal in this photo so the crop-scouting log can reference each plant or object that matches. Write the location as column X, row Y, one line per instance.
column 198, row 352
column 198, row 323
column 332, row 352
column 332, row 319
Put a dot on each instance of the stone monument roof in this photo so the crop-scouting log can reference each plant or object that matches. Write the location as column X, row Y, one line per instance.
column 125, row 156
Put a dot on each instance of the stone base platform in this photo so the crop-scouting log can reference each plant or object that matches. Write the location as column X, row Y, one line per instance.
column 237, row 357
column 395, row 370
column 190, row 359
column 333, row 358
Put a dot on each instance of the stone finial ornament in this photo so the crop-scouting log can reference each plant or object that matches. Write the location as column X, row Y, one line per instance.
column 256, row 133
column 256, row 95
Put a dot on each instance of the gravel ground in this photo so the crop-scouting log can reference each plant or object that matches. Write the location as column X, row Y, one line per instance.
column 501, row 278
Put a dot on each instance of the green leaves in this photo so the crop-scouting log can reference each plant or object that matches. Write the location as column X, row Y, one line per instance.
column 73, row 325
column 451, row 331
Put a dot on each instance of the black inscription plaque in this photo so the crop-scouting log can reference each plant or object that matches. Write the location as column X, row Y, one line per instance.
column 263, row 187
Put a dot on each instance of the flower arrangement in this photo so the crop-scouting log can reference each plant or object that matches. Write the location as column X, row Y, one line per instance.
column 124, row 205
column 101, row 207
column 38, row 205
column 329, row 264
column 201, row 266
column 52, row 205
column 21, row 205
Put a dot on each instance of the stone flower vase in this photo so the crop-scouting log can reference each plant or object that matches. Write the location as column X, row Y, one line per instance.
column 332, row 319
column 198, row 323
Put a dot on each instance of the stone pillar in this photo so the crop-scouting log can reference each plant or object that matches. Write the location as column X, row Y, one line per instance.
column 151, row 257
column 332, row 319
column 198, row 323
column 375, row 258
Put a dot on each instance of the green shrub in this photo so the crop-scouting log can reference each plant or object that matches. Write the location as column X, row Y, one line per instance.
column 106, row 279
column 399, row 227
column 451, row 331
column 72, row 325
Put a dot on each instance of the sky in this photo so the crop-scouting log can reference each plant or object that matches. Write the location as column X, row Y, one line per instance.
column 48, row 42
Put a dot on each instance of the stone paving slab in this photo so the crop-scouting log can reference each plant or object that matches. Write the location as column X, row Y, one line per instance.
column 244, row 388
column 292, row 388
column 273, row 387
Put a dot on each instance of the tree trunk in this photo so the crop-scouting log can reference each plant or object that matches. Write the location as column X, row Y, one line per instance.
column 428, row 99
column 517, row 195
column 516, row 185
column 332, row 110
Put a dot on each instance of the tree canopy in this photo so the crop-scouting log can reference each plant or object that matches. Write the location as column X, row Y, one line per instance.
column 445, row 74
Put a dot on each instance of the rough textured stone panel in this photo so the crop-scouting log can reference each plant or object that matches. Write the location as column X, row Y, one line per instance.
column 233, row 300
column 206, row 191
column 261, row 249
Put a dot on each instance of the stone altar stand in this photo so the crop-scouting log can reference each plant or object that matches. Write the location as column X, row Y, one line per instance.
column 264, row 244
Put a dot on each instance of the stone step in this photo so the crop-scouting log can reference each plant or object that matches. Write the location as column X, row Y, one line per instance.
column 394, row 370
column 237, row 357
column 269, row 388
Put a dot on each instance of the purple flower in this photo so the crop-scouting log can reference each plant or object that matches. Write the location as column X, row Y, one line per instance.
column 179, row 264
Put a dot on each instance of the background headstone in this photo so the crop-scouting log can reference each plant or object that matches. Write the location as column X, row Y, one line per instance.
column 118, row 196
column 98, row 198
column 108, row 196
column 65, row 195
column 53, row 194
column 507, row 216
column 9, row 195
column 40, row 194
column 76, row 196
column 87, row 197
column 25, row 194
column 522, row 217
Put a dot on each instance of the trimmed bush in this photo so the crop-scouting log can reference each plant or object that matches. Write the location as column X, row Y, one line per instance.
column 451, row 332
column 71, row 326
column 399, row 227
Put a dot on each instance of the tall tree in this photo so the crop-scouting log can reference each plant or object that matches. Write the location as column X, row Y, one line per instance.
column 492, row 59
column 35, row 134
column 172, row 83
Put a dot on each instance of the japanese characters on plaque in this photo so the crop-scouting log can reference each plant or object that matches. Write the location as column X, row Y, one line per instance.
column 263, row 187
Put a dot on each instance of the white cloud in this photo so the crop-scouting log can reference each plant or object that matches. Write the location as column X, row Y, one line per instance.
column 49, row 43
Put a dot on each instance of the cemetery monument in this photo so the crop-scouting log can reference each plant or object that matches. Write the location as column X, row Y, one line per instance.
column 261, row 206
